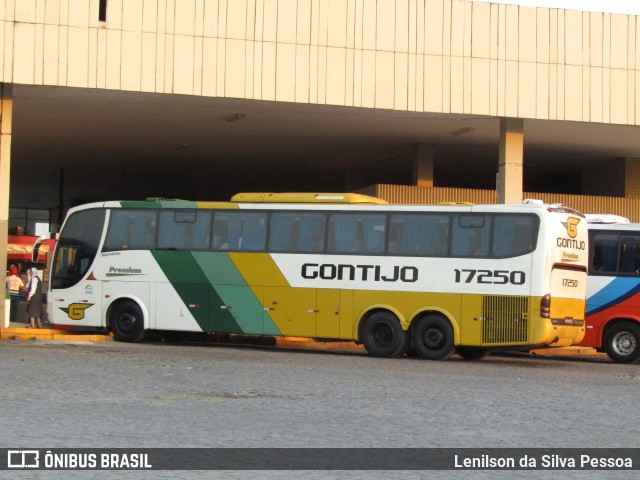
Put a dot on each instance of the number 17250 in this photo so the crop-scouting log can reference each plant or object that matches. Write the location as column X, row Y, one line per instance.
column 499, row 277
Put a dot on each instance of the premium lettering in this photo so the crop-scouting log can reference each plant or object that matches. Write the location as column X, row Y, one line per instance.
column 376, row 273
column 124, row 270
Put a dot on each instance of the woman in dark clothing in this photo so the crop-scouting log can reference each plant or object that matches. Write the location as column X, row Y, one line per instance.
column 34, row 297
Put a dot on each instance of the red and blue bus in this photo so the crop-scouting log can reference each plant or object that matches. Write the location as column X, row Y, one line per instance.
column 613, row 288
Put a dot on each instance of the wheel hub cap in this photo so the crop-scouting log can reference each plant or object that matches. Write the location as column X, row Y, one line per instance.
column 382, row 334
column 624, row 343
column 433, row 337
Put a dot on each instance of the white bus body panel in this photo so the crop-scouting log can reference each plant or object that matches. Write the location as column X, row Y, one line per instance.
column 509, row 276
column 133, row 275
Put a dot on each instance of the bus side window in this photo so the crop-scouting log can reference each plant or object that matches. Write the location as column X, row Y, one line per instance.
column 254, row 232
column 297, row 232
column 343, row 231
column 234, row 231
column 312, row 232
column 513, row 235
column 220, row 241
column 143, row 230
column 357, row 233
column 471, row 236
column 597, row 264
column 239, row 231
column 605, row 253
column 202, row 231
column 629, row 254
column 184, row 230
column 419, row 234
column 131, row 230
column 397, row 229
column 281, row 231
column 373, row 230
column 117, row 234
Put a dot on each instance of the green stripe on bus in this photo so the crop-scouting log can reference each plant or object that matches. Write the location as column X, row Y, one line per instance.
column 229, row 283
column 194, row 288
column 178, row 204
column 139, row 204
column 219, row 268
column 269, row 326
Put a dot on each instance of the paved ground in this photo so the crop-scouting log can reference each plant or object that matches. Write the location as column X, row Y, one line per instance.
column 111, row 394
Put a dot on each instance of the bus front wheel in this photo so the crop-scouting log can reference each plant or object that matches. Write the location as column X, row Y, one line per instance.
column 433, row 337
column 622, row 342
column 383, row 336
column 127, row 322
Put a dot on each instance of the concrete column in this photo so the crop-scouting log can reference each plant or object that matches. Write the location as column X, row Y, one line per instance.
column 509, row 181
column 423, row 165
column 6, row 108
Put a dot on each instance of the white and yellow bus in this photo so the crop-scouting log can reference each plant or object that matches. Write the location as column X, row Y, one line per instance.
column 434, row 279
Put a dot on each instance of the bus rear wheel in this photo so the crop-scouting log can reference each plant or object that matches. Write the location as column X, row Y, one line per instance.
column 383, row 336
column 622, row 342
column 127, row 322
column 432, row 337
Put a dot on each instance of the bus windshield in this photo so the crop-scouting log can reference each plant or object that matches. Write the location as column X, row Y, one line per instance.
column 77, row 247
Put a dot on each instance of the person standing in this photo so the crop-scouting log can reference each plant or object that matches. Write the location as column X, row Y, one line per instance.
column 14, row 285
column 34, row 297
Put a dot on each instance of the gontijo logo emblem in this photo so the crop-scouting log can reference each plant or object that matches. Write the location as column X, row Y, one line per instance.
column 572, row 226
column 75, row 311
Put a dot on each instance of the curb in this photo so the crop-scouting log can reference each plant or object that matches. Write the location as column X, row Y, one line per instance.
column 549, row 352
column 21, row 333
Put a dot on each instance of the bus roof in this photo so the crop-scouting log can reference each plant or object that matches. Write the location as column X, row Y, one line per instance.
column 605, row 218
column 329, row 201
column 305, row 197
column 615, row 227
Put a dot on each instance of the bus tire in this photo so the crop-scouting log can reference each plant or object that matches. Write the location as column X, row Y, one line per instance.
column 382, row 335
column 622, row 342
column 472, row 353
column 127, row 322
column 432, row 337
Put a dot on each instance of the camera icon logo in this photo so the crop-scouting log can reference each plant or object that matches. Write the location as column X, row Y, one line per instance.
column 23, row 458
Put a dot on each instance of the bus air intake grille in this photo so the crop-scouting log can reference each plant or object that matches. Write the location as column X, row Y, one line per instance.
column 505, row 319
